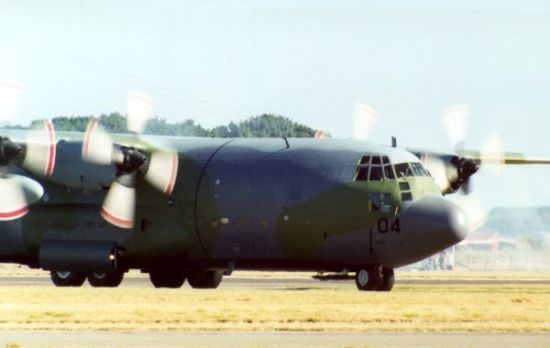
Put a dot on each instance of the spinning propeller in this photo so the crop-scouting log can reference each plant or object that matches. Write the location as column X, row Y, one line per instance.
column 159, row 168
column 36, row 154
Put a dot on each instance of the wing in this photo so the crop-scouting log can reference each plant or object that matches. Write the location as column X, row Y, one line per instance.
column 505, row 157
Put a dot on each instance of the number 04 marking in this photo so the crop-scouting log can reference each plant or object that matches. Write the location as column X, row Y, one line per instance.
column 384, row 226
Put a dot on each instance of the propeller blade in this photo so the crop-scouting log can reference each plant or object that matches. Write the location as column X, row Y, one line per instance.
column 41, row 149
column 119, row 205
column 492, row 154
column 438, row 169
column 162, row 171
column 364, row 119
column 13, row 204
column 139, row 107
column 97, row 146
column 455, row 120
column 32, row 189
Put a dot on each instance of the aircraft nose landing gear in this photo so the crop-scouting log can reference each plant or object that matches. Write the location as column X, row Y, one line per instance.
column 374, row 278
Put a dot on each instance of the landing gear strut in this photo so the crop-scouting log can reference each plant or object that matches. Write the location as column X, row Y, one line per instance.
column 374, row 278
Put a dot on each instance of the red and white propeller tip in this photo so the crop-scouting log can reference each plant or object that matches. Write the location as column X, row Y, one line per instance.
column 41, row 146
column 119, row 205
column 97, row 146
column 21, row 191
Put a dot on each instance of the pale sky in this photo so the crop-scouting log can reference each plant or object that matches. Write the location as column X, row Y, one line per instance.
column 221, row 61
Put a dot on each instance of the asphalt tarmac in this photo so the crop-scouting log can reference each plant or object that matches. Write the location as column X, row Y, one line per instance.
column 276, row 282
column 268, row 339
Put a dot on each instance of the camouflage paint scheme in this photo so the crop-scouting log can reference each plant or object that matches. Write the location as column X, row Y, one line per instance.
column 281, row 204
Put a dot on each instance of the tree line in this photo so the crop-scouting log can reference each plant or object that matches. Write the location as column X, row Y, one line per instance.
column 266, row 125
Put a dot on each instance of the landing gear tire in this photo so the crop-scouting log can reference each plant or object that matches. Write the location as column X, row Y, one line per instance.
column 369, row 279
column 205, row 279
column 67, row 278
column 163, row 278
column 105, row 280
column 389, row 279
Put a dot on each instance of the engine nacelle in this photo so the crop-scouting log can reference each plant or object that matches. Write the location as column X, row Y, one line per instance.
column 72, row 171
column 450, row 171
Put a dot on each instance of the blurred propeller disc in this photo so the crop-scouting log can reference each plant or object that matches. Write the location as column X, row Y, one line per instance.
column 492, row 154
column 97, row 146
column 364, row 119
column 438, row 170
column 139, row 107
column 41, row 149
column 119, row 205
column 162, row 171
column 455, row 120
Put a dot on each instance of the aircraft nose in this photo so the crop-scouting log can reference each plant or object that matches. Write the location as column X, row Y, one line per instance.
column 433, row 224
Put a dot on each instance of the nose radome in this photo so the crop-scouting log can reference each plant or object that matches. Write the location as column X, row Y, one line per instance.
column 434, row 223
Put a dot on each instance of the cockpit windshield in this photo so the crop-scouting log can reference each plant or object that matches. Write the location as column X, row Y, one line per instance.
column 379, row 168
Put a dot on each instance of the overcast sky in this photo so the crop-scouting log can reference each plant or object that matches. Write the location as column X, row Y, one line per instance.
column 221, row 61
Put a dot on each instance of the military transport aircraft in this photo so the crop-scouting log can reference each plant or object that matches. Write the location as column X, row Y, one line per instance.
column 199, row 208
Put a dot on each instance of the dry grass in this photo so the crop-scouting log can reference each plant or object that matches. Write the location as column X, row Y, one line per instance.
column 414, row 308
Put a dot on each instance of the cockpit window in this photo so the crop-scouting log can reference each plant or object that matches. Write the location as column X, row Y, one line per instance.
column 376, row 160
column 419, row 170
column 376, row 173
column 362, row 174
column 410, row 169
column 364, row 160
column 403, row 169
column 386, row 160
column 388, row 172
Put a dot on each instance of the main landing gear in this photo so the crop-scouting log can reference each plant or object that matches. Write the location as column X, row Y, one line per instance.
column 165, row 278
column 70, row 278
column 374, row 278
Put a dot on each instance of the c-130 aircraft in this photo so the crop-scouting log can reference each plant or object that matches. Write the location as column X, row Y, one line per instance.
column 196, row 209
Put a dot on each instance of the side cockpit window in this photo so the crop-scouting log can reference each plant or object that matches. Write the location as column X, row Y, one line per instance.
column 419, row 170
column 403, row 170
column 410, row 169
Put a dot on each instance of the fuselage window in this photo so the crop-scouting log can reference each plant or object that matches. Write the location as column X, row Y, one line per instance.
column 403, row 169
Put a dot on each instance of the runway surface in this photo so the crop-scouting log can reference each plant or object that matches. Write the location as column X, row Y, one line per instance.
column 268, row 339
column 278, row 282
